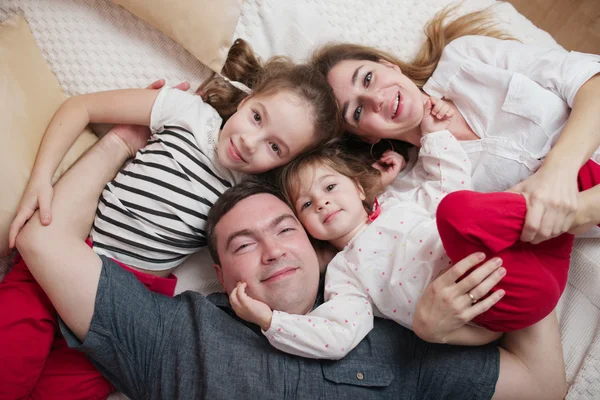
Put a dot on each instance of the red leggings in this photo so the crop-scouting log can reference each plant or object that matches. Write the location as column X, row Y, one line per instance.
column 536, row 274
column 35, row 361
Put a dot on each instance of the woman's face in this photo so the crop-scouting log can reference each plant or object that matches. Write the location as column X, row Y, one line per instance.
column 376, row 99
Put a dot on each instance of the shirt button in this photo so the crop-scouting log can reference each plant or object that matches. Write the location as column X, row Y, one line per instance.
column 360, row 376
column 522, row 158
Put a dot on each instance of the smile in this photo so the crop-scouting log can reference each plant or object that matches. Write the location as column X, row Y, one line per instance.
column 396, row 105
column 234, row 153
column 331, row 216
column 281, row 274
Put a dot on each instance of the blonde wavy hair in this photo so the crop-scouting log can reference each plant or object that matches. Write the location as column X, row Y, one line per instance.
column 439, row 33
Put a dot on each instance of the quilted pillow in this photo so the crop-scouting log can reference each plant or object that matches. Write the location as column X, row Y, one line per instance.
column 203, row 27
column 29, row 97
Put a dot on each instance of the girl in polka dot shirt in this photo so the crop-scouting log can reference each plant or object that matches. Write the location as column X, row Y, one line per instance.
column 391, row 248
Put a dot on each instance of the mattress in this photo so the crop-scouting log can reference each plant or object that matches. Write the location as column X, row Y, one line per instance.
column 94, row 45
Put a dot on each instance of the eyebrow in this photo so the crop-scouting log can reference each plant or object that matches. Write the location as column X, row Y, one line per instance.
column 249, row 232
column 264, row 110
column 346, row 104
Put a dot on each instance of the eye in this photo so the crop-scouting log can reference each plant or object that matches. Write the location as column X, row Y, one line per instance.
column 305, row 205
column 275, row 148
column 367, row 80
column 357, row 113
column 287, row 230
column 256, row 116
column 329, row 188
column 243, row 246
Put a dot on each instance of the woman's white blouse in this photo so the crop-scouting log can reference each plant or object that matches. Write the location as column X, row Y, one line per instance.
column 515, row 97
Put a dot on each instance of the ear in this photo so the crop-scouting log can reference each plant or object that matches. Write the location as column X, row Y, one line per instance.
column 361, row 191
column 390, row 65
column 219, row 272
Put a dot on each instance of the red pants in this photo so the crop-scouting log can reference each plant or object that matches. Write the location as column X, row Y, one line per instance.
column 35, row 361
column 536, row 274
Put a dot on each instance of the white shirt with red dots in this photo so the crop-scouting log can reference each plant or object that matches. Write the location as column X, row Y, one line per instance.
column 385, row 268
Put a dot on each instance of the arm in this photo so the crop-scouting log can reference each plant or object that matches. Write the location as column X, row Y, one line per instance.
column 447, row 169
column 63, row 264
column 445, row 307
column 131, row 106
column 574, row 77
column 330, row 331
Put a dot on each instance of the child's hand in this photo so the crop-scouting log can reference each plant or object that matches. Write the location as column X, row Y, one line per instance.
column 249, row 309
column 38, row 193
column 390, row 164
column 436, row 116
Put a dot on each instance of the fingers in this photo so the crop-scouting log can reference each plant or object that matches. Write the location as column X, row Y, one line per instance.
column 22, row 216
column 533, row 220
column 183, row 86
column 484, row 305
column 458, row 270
column 161, row 82
column 481, row 290
column 427, row 107
column 477, row 276
column 441, row 109
column 156, row 84
column 45, row 202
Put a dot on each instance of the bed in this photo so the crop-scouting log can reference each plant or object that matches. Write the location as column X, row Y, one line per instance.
column 93, row 45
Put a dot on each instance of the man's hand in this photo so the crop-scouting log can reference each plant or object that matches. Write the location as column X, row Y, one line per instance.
column 249, row 309
column 390, row 164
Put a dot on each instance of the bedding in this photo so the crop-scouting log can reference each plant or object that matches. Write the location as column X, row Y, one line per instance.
column 93, row 45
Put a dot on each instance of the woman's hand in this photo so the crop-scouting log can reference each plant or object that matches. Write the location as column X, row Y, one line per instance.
column 249, row 309
column 436, row 115
column 446, row 305
column 551, row 195
column 390, row 164
column 38, row 193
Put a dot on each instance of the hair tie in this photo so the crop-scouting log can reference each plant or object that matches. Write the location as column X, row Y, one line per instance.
column 236, row 84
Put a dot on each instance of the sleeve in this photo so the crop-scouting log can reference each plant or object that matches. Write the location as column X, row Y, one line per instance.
column 447, row 169
column 334, row 328
column 126, row 330
column 555, row 69
column 176, row 107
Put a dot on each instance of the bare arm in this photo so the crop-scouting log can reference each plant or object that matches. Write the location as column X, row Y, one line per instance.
column 130, row 106
column 68, row 269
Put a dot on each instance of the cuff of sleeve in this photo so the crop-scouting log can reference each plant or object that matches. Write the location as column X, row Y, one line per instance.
column 275, row 327
column 590, row 66
column 156, row 113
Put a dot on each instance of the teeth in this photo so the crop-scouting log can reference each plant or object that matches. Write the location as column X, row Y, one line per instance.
column 396, row 105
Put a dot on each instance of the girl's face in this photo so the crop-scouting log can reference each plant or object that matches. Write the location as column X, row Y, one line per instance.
column 265, row 133
column 376, row 99
column 329, row 204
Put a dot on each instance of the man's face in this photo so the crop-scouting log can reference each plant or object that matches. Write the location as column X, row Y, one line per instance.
column 261, row 242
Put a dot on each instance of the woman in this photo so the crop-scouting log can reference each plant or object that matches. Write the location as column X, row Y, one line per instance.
column 527, row 115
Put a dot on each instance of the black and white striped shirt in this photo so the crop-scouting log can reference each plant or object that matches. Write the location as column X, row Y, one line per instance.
column 153, row 214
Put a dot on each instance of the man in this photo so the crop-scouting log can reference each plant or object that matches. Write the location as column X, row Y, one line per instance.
column 152, row 346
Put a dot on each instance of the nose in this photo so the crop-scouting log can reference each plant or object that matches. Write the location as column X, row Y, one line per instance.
column 322, row 203
column 375, row 100
column 273, row 250
column 249, row 142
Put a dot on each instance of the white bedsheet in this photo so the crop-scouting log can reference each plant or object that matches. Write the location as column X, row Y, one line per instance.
column 93, row 45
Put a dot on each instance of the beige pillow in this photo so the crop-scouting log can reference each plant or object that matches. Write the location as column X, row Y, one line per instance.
column 205, row 28
column 29, row 96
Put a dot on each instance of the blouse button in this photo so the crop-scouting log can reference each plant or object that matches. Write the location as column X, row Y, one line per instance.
column 360, row 376
column 522, row 158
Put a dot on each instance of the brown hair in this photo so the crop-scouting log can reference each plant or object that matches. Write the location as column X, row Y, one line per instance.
column 338, row 160
column 277, row 74
column 438, row 32
column 227, row 201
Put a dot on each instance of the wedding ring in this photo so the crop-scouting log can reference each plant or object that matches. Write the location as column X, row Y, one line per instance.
column 473, row 299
